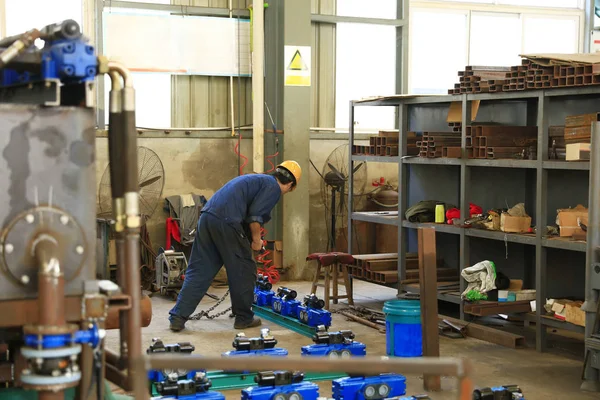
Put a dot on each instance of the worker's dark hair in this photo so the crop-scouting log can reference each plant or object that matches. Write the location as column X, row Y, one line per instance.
column 284, row 176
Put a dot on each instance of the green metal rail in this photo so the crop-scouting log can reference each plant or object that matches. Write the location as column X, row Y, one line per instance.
column 287, row 322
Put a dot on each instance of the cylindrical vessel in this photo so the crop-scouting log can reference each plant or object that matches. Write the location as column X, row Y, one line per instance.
column 403, row 328
column 440, row 213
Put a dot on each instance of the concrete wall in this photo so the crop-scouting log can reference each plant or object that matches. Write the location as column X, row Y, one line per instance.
column 202, row 166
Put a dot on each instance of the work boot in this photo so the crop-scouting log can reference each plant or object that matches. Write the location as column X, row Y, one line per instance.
column 250, row 324
column 177, row 323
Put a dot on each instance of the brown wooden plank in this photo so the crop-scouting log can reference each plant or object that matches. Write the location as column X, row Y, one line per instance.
column 429, row 305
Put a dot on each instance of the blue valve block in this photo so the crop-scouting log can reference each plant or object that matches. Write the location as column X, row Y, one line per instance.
column 314, row 317
column 369, row 388
column 281, row 385
column 275, row 352
column 355, row 349
column 263, row 298
column 287, row 308
column 512, row 392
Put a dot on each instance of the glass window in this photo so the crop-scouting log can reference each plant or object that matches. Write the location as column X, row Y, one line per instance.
column 368, row 9
column 495, row 39
column 548, row 34
column 544, row 3
column 152, row 99
column 20, row 18
column 438, row 49
column 365, row 66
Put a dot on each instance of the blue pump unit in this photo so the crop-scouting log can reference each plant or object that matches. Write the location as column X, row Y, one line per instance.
column 261, row 346
column 512, row 392
column 369, row 388
column 281, row 385
column 263, row 295
column 334, row 344
column 65, row 56
column 285, row 303
column 311, row 312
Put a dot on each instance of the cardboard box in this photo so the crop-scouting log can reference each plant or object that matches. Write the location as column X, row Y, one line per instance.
column 574, row 314
column 578, row 151
column 508, row 223
column 566, row 219
column 455, row 111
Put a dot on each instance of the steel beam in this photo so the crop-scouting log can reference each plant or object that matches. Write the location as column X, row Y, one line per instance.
column 287, row 322
column 176, row 9
column 335, row 19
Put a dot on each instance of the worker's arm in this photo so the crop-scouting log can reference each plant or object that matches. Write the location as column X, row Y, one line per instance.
column 256, row 239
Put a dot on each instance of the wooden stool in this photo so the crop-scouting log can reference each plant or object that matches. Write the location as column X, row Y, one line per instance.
column 329, row 264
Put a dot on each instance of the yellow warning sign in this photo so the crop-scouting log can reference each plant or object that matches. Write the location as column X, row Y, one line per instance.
column 298, row 64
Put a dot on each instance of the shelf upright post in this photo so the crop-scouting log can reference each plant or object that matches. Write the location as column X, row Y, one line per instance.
column 465, row 180
column 402, row 190
column 541, row 194
column 591, row 377
column 350, row 176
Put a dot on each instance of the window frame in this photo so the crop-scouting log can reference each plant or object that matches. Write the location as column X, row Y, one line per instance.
column 442, row 6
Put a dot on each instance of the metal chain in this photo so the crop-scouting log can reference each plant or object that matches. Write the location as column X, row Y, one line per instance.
column 206, row 313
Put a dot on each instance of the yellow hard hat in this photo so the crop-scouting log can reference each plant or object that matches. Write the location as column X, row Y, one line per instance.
column 293, row 167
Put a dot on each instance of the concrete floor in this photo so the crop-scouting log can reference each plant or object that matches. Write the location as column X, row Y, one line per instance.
column 544, row 376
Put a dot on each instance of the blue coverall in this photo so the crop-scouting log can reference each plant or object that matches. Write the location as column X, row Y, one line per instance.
column 222, row 240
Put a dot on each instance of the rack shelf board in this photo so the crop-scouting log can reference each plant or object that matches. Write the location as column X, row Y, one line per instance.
column 502, row 163
column 431, row 161
column 414, row 288
column 444, row 228
column 382, row 159
column 564, row 244
column 501, row 236
column 568, row 165
column 377, row 217
column 558, row 324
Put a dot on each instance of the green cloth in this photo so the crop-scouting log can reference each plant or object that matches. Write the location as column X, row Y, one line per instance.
column 475, row 295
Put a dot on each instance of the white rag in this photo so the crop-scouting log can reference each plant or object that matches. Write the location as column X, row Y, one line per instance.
column 481, row 277
column 187, row 200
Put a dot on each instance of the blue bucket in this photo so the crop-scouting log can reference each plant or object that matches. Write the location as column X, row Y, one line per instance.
column 403, row 328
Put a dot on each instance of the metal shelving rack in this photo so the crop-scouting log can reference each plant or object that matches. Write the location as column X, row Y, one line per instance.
column 538, row 105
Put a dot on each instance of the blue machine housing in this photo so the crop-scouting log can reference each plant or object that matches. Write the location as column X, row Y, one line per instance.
column 313, row 317
column 355, row 349
column 69, row 60
column 287, row 308
column 263, row 298
column 275, row 352
column 294, row 391
column 369, row 388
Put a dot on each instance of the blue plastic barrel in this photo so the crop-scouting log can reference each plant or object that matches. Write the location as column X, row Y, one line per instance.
column 403, row 328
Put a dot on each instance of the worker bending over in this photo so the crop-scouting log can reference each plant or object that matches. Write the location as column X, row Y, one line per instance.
column 241, row 206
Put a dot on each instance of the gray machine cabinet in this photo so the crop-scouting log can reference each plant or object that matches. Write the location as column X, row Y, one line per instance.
column 48, row 180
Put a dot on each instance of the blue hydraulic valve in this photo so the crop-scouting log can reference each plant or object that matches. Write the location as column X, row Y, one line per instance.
column 66, row 56
column 334, row 344
column 369, row 388
column 263, row 295
column 311, row 312
column 158, row 347
column 189, row 389
column 508, row 392
column 285, row 303
column 260, row 346
column 281, row 385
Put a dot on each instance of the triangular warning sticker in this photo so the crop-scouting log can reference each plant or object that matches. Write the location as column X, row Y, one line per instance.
column 297, row 64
